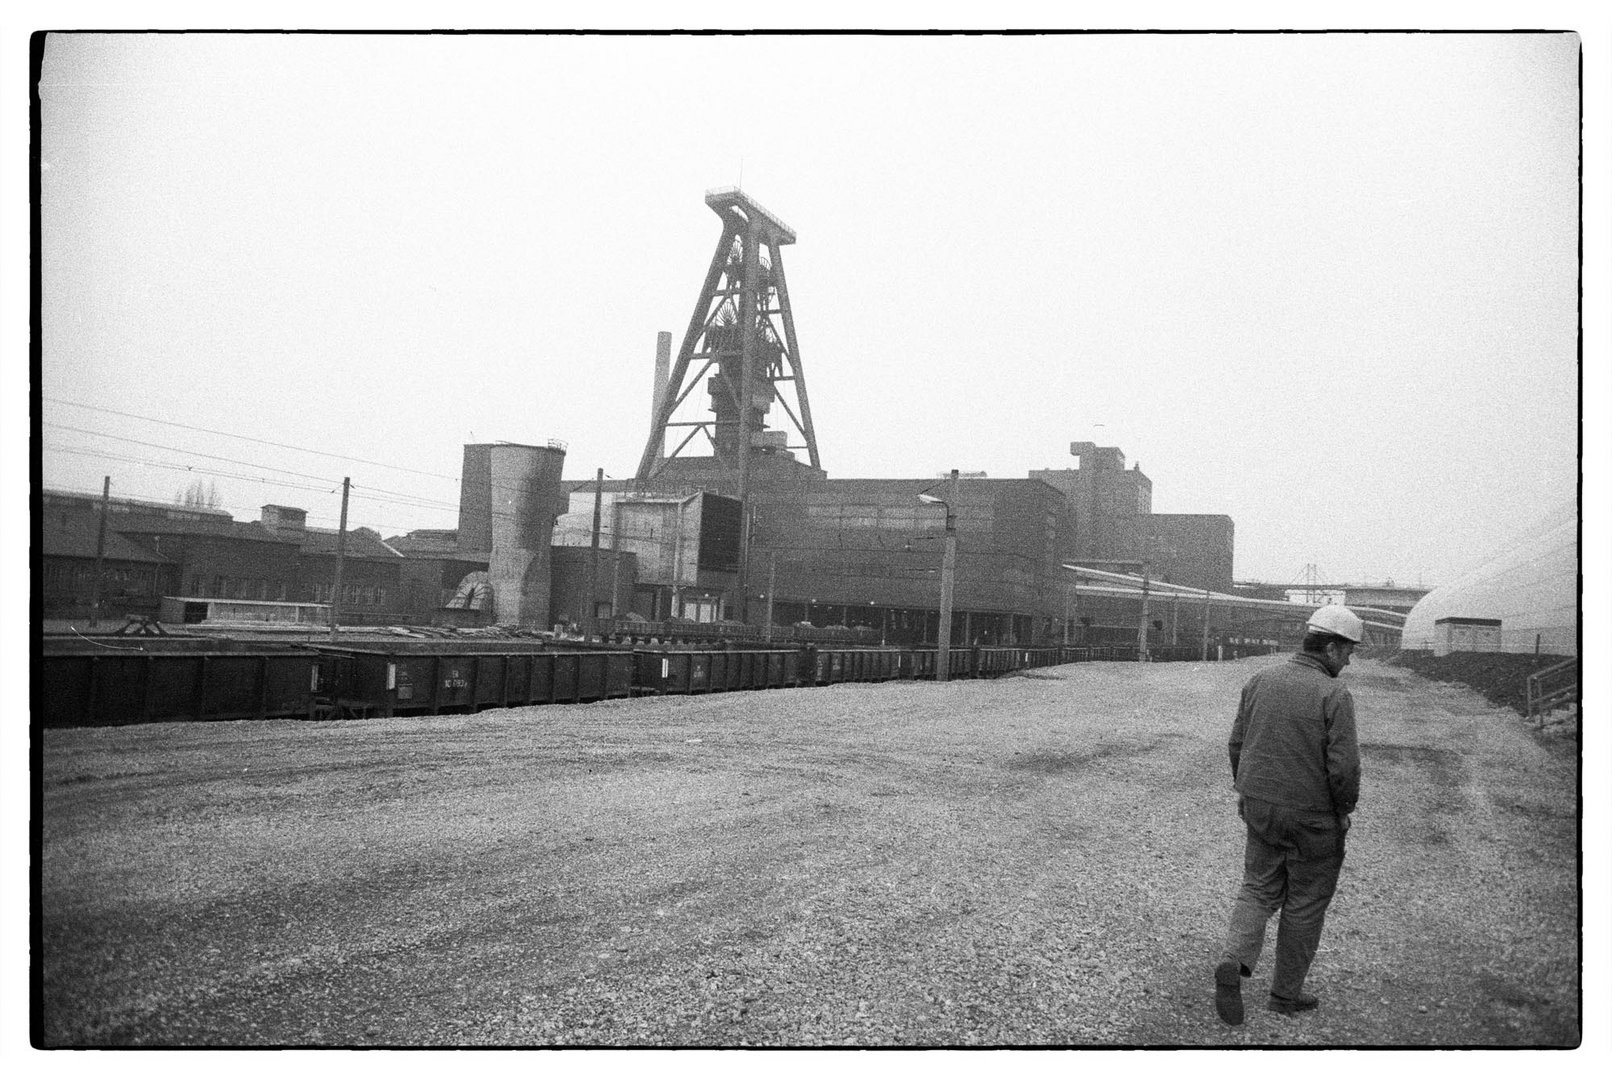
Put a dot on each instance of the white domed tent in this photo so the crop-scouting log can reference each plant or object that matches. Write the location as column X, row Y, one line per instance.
column 1531, row 587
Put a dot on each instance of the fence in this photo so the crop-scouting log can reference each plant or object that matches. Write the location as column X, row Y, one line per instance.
column 1551, row 688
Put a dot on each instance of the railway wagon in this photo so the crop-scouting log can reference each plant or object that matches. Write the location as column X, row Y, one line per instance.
column 395, row 678
column 84, row 682
column 704, row 671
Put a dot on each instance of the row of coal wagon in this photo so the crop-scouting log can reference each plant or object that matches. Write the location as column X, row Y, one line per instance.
column 84, row 682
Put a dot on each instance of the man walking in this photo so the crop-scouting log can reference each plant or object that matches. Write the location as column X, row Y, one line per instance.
column 1296, row 766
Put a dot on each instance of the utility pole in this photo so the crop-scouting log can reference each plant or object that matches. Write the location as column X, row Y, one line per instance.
column 1074, row 592
column 1141, row 630
column 100, row 553
column 1205, row 624
column 1066, row 613
column 772, row 589
column 590, row 612
column 615, row 559
column 341, row 555
column 948, row 576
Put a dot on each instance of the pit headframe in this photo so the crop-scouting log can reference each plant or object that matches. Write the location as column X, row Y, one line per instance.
column 743, row 328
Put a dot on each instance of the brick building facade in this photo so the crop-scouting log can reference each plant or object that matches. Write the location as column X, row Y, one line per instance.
column 154, row 550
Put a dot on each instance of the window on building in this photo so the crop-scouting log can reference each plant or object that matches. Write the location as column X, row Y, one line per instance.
column 699, row 608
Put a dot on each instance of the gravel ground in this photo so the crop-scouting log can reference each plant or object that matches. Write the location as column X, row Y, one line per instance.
column 1045, row 859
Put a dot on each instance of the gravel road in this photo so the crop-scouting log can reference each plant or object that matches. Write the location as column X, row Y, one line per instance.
column 1044, row 859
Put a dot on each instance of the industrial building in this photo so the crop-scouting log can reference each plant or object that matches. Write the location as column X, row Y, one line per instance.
column 866, row 552
column 731, row 518
column 150, row 550
column 795, row 545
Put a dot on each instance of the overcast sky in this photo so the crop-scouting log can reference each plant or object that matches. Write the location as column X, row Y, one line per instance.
column 1324, row 284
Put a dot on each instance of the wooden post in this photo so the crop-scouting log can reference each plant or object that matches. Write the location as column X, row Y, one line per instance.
column 100, row 553
column 772, row 589
column 1141, row 630
column 616, row 605
column 590, row 612
column 341, row 555
column 948, row 574
column 1074, row 596
column 1205, row 624
column 1066, row 613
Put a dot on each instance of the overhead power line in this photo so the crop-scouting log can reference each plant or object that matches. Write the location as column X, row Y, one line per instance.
column 406, row 498
column 181, row 450
column 186, row 469
column 422, row 502
column 245, row 438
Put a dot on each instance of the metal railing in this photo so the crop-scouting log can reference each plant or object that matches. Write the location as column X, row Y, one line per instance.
column 1551, row 688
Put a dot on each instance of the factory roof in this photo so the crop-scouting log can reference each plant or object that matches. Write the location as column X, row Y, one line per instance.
column 79, row 542
column 361, row 543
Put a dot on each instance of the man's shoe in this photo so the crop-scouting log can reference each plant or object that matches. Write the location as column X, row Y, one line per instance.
column 1289, row 1006
column 1229, row 991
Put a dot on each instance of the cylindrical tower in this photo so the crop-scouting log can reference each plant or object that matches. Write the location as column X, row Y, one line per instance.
column 509, row 496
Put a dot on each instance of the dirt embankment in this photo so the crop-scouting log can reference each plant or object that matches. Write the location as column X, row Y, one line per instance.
column 1035, row 861
column 1500, row 677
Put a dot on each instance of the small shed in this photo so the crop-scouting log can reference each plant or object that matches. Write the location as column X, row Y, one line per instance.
column 1457, row 634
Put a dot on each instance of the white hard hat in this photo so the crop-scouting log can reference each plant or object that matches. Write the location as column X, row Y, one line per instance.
column 1339, row 621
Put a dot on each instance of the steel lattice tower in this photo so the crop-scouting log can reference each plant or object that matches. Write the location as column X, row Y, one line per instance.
column 742, row 330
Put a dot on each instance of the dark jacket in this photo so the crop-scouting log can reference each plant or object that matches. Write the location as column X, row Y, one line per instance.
column 1293, row 743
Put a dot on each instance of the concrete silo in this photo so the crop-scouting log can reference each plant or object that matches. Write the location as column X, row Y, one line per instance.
column 509, row 496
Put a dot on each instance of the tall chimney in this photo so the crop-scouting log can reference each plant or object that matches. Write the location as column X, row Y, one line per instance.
column 663, row 374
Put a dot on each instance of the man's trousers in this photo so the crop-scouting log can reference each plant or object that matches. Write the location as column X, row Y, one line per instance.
column 1291, row 864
